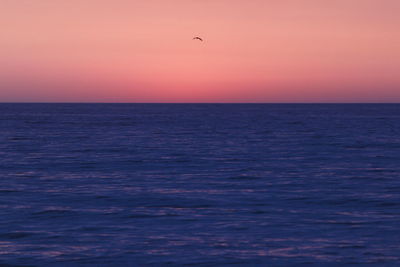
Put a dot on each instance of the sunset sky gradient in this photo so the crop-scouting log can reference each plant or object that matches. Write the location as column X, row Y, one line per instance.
column 254, row 51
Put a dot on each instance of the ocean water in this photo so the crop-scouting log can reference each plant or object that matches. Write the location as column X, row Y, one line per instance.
column 199, row 184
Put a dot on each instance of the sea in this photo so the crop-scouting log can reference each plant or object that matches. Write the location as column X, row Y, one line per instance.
column 199, row 184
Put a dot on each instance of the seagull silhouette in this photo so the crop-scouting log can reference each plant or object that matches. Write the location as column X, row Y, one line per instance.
column 197, row 38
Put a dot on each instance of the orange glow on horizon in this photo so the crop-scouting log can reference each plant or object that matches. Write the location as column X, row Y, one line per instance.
column 253, row 51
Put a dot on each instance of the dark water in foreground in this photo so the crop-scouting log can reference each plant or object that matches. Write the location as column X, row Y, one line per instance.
column 201, row 185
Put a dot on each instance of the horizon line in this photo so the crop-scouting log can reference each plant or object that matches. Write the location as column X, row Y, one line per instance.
column 200, row 103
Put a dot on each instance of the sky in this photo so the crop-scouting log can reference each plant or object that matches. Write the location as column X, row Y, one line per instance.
column 264, row 51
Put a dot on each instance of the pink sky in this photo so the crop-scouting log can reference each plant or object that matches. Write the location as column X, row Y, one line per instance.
column 254, row 51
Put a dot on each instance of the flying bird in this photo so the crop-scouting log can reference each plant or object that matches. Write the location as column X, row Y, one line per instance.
column 197, row 38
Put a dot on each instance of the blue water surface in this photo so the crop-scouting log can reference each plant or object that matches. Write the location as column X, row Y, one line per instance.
column 199, row 184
